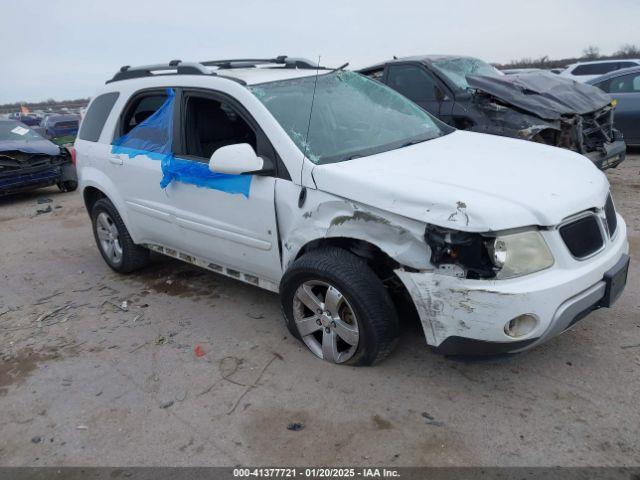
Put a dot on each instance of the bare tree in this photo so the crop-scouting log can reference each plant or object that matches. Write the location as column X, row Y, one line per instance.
column 591, row 52
column 628, row 50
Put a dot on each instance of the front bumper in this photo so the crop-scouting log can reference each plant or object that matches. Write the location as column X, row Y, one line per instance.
column 609, row 155
column 461, row 316
column 29, row 179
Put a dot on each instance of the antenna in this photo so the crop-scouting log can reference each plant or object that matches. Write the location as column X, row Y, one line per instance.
column 313, row 98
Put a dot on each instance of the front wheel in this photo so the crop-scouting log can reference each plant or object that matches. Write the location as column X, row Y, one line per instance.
column 335, row 304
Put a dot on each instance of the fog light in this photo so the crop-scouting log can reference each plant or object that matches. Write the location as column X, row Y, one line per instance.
column 521, row 325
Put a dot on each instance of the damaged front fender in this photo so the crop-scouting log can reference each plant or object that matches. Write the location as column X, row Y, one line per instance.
column 324, row 216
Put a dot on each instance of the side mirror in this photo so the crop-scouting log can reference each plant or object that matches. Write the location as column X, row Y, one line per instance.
column 238, row 159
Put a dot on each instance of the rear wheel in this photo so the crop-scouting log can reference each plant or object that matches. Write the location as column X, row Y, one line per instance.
column 338, row 307
column 113, row 239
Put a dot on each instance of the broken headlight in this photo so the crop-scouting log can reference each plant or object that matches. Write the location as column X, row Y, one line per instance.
column 518, row 254
column 476, row 256
column 461, row 254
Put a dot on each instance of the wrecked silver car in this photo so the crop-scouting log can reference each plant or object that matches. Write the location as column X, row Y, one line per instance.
column 470, row 94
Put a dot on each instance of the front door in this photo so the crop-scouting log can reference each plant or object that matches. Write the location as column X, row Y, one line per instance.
column 418, row 85
column 227, row 219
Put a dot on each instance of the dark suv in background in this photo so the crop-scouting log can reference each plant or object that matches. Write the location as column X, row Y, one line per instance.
column 469, row 94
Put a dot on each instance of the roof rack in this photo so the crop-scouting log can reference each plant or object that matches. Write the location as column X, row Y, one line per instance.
column 288, row 62
column 178, row 67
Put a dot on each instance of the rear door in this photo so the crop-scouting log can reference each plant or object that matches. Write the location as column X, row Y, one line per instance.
column 136, row 169
column 626, row 90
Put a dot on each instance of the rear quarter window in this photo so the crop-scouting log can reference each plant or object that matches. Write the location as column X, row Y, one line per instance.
column 595, row 68
column 96, row 116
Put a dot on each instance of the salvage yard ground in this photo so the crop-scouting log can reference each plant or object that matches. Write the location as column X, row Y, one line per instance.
column 178, row 366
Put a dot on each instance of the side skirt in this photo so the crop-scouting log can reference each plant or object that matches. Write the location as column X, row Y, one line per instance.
column 214, row 267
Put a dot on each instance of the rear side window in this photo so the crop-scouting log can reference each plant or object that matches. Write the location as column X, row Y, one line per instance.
column 412, row 82
column 625, row 84
column 595, row 68
column 96, row 116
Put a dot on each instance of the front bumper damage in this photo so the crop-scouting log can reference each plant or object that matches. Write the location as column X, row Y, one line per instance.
column 609, row 155
column 468, row 317
column 20, row 171
column 590, row 134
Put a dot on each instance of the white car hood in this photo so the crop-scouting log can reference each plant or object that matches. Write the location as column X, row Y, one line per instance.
column 471, row 182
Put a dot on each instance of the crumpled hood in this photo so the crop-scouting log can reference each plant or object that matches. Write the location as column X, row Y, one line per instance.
column 544, row 94
column 471, row 182
column 42, row 146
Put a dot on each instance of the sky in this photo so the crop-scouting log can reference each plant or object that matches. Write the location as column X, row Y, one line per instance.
column 65, row 49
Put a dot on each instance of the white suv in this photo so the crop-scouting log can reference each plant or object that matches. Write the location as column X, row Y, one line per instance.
column 350, row 201
column 585, row 71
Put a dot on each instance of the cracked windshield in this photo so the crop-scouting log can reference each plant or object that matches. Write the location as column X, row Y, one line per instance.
column 352, row 116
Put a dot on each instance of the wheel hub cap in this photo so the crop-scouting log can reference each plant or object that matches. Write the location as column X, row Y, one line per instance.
column 326, row 322
column 108, row 237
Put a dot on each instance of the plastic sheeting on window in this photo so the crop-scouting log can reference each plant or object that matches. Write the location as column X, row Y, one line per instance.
column 153, row 138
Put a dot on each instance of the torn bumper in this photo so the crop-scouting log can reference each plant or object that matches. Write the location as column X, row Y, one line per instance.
column 30, row 178
column 461, row 316
column 609, row 155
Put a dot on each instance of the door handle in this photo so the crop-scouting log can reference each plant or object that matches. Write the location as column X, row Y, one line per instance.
column 116, row 159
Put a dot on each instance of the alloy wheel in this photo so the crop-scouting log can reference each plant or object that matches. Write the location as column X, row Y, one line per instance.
column 326, row 322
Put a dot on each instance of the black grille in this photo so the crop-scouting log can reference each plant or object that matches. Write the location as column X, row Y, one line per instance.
column 582, row 237
column 610, row 212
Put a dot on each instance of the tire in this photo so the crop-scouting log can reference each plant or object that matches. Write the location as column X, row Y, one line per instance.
column 126, row 256
column 68, row 186
column 319, row 278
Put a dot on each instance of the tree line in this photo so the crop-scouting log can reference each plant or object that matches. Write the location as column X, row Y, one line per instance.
column 590, row 53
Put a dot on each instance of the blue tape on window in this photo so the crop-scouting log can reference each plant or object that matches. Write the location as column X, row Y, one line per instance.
column 153, row 138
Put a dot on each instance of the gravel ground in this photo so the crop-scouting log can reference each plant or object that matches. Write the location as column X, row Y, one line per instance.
column 197, row 369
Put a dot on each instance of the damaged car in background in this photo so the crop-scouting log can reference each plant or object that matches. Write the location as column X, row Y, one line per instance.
column 351, row 202
column 470, row 94
column 29, row 161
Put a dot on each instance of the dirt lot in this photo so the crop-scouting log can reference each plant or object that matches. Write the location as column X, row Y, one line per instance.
column 85, row 380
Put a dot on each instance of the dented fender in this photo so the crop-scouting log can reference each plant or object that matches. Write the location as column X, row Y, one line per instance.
column 323, row 215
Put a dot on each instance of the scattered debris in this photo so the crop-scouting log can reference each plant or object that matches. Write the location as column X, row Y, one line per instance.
column 124, row 306
column 255, row 316
column 82, row 427
column 40, row 211
column 199, row 351
column 41, row 200
column 295, row 427
column 37, row 439
column 431, row 420
column 630, row 346
column 181, row 397
column 167, row 404
column 161, row 340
